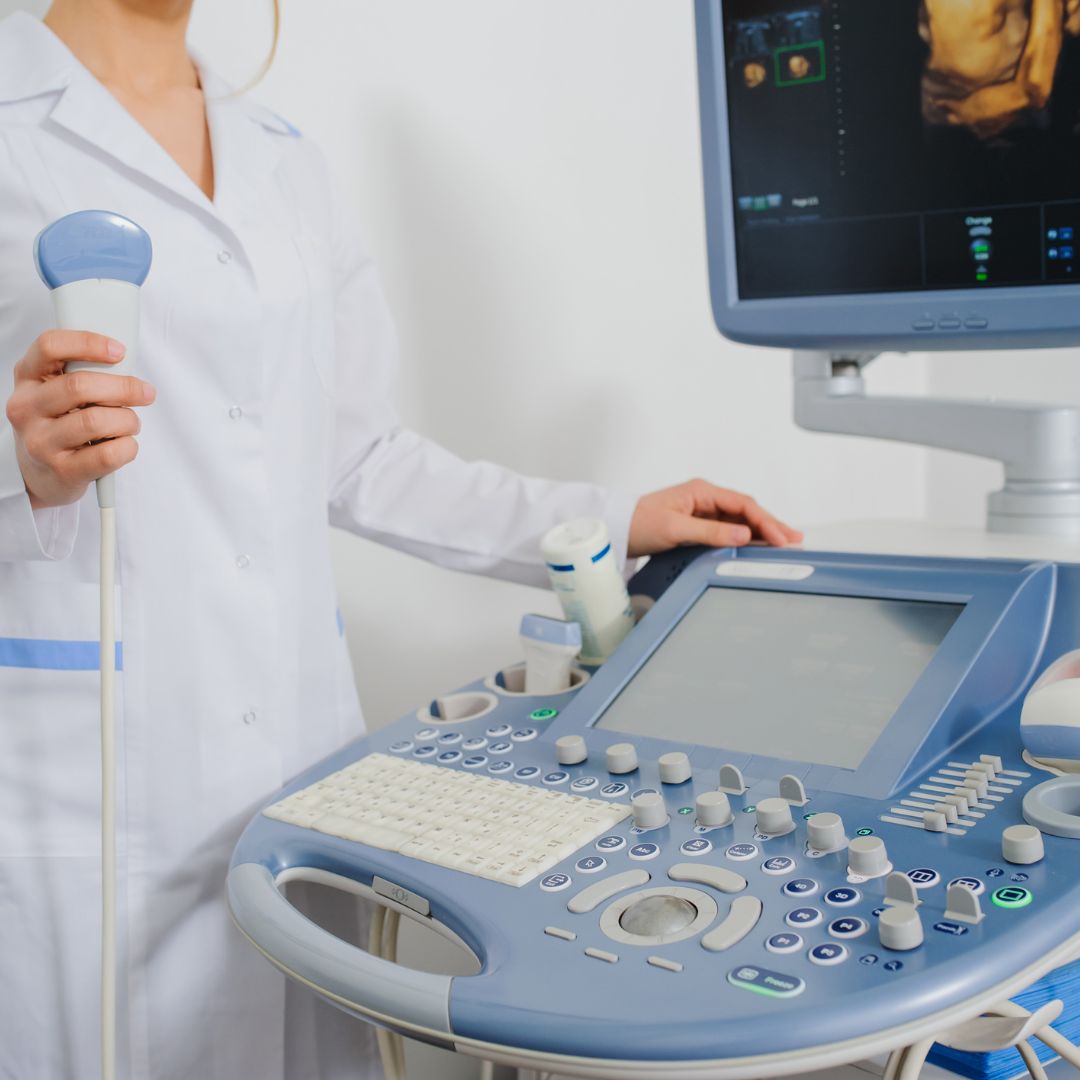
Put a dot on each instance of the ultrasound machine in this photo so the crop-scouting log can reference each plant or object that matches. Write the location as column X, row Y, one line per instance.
column 821, row 806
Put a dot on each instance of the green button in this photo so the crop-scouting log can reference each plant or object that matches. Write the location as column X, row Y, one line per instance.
column 543, row 714
column 686, row 809
column 748, row 809
column 807, row 817
column 1012, row 896
column 864, row 832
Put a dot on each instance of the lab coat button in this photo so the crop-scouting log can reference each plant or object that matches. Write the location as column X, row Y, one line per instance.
column 243, row 562
column 249, row 717
column 224, row 256
column 235, row 412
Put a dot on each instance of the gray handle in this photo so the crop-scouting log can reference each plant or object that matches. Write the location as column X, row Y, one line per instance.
column 316, row 956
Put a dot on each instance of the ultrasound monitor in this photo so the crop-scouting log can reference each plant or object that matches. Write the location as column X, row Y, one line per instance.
column 891, row 174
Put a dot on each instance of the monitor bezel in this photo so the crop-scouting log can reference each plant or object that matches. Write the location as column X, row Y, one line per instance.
column 1031, row 316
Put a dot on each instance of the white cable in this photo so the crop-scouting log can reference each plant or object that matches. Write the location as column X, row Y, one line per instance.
column 108, row 793
column 487, row 1070
column 1031, row 1060
column 1047, row 1035
column 391, row 925
column 914, row 1060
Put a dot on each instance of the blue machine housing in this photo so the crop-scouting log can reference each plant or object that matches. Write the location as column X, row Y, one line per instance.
column 542, row 993
column 999, row 318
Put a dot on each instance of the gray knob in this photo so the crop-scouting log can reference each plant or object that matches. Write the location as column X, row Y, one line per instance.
column 867, row 857
column 1022, row 844
column 900, row 928
column 825, row 832
column 649, row 810
column 712, row 808
column 621, row 757
column 774, row 817
column 654, row 916
column 674, row 768
column 571, row 749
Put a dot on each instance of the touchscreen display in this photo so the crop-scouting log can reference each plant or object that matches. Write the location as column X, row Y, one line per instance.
column 797, row 676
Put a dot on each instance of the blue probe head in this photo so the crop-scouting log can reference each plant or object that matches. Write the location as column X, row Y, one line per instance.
column 92, row 244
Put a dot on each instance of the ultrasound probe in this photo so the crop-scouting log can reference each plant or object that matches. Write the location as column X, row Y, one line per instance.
column 94, row 261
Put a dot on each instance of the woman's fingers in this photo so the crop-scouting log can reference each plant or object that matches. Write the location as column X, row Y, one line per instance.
column 78, row 388
column 93, row 462
column 90, row 425
column 723, row 501
column 55, row 348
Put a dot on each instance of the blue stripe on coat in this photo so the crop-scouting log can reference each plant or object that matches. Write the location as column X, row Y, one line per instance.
column 48, row 655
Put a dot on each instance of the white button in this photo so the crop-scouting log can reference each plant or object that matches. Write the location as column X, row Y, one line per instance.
column 249, row 716
column 235, row 412
column 224, row 256
column 243, row 562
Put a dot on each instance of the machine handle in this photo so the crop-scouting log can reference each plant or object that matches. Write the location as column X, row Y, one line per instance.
column 312, row 954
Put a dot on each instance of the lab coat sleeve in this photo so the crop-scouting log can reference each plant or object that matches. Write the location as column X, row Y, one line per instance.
column 397, row 487
column 25, row 533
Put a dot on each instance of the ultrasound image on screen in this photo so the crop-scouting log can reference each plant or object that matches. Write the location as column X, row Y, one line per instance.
column 898, row 145
column 795, row 676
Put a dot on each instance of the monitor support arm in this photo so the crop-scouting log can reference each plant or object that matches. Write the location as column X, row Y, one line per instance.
column 1039, row 445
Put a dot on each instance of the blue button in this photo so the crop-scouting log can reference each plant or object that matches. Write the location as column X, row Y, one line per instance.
column 584, row 783
column 590, row 864
column 524, row 734
column 953, row 929
column 696, row 847
column 849, row 927
column 784, row 943
column 828, row 954
column 500, row 748
column 477, row 742
column 402, row 746
column 923, row 877
column 1065, row 232
column 644, row 851
column 762, row 981
column 447, row 757
column 476, row 761
column 800, row 886
column 803, row 916
column 450, row 738
column 498, row 731
column 555, row 882
column 869, row 959
column 741, row 852
column 615, row 789
column 844, row 897
column 610, row 843
column 527, row 772
column 972, row 883
column 893, row 965
column 426, row 734
column 497, row 767
column 779, row 864
column 553, row 778
column 424, row 751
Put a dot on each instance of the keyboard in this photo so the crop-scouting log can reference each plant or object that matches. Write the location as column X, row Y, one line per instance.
column 495, row 829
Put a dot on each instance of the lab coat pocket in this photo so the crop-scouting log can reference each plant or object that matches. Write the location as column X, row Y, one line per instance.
column 50, row 787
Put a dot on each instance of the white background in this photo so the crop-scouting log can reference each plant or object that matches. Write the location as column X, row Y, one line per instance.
column 529, row 179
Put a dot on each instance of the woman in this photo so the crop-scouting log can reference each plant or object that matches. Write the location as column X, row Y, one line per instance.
column 267, row 353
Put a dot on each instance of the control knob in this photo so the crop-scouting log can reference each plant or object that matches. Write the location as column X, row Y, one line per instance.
column 621, row 758
column 900, row 928
column 867, row 857
column 649, row 810
column 1022, row 844
column 825, row 832
column 774, row 817
column 571, row 749
column 712, row 808
column 674, row 768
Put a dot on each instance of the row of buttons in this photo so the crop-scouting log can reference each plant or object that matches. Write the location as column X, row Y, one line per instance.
column 951, row 322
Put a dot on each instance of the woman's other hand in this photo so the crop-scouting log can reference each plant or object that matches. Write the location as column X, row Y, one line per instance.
column 698, row 512
column 72, row 428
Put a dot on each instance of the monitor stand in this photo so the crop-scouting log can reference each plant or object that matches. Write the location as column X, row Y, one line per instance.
column 1038, row 445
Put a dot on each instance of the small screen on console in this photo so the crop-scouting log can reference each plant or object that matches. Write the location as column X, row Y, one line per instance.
column 797, row 676
column 893, row 145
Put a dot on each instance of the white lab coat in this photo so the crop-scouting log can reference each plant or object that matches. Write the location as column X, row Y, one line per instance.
column 268, row 339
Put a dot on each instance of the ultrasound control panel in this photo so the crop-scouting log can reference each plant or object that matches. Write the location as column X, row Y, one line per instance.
column 787, row 812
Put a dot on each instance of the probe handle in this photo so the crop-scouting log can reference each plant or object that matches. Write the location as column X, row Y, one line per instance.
column 378, row 988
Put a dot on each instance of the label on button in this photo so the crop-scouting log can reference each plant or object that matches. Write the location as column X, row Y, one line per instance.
column 768, row 983
column 448, row 757
column 696, row 847
column 555, row 882
column 527, row 772
column 923, row 877
column 553, row 778
column 497, row 767
column 828, row 954
column 476, row 761
column 842, row 897
column 1012, row 896
column 803, row 916
column 590, row 864
column 780, row 864
column 800, row 886
column 947, row 926
column 741, row 852
column 610, row 843
column 614, row 789
column 784, row 943
column 584, row 783
column 644, row 851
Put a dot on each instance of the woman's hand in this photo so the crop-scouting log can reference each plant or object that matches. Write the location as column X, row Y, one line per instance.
column 698, row 512
column 76, row 427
